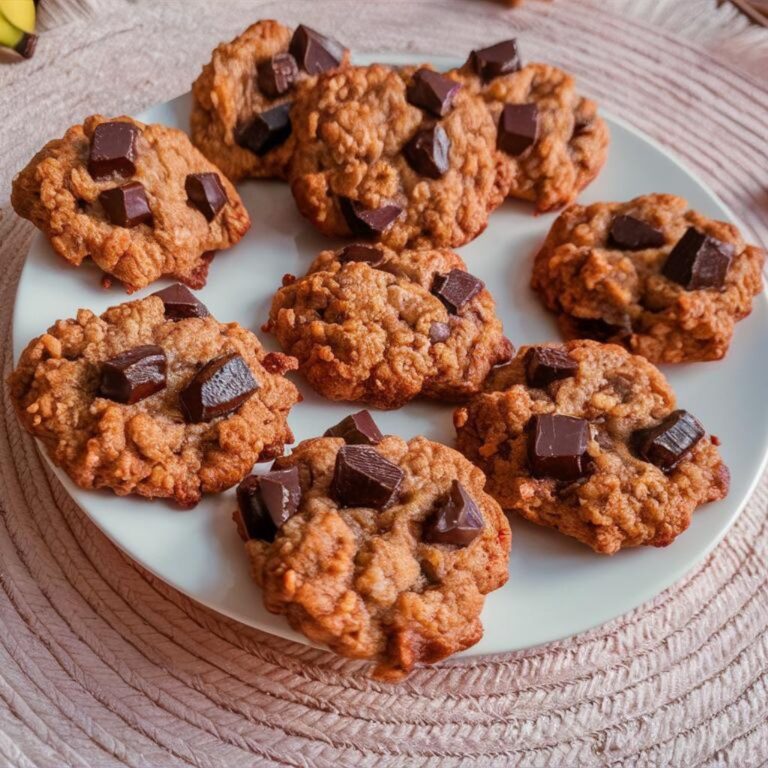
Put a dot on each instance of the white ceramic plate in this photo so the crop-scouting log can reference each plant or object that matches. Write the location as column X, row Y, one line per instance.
column 557, row 587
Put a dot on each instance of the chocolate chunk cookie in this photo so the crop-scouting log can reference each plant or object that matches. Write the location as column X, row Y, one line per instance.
column 380, row 552
column 551, row 140
column 138, row 199
column 149, row 401
column 650, row 274
column 242, row 99
column 405, row 157
column 368, row 324
column 584, row 437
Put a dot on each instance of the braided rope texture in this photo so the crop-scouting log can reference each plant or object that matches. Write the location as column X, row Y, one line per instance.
column 102, row 665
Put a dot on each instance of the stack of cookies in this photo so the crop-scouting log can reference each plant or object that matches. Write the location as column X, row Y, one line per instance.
column 379, row 548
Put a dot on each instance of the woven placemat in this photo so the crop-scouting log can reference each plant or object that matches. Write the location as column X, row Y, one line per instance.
column 102, row 665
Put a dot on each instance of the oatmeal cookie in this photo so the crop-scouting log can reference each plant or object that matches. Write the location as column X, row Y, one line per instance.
column 551, row 140
column 650, row 274
column 584, row 437
column 242, row 99
column 381, row 552
column 163, row 402
column 138, row 199
column 373, row 325
column 403, row 156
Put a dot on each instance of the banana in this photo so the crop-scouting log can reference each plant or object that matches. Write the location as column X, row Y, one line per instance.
column 20, row 13
column 17, row 39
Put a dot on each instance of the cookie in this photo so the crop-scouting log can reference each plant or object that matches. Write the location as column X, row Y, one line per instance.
column 402, row 156
column 551, row 141
column 155, row 400
column 371, row 325
column 242, row 99
column 381, row 552
column 138, row 199
column 650, row 274
column 585, row 438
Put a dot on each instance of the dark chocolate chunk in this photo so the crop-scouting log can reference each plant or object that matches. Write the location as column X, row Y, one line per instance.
column 427, row 152
column 370, row 254
column 518, row 128
column 362, row 477
column 368, row 222
column 456, row 288
column 113, row 150
column 668, row 443
column 133, row 375
column 543, row 365
column 181, row 303
column 630, row 234
column 599, row 329
column 127, row 205
column 315, row 53
column 217, row 389
column 357, row 429
column 206, row 193
column 439, row 332
column 496, row 60
column 432, row 92
column 277, row 75
column 698, row 261
column 267, row 501
column 456, row 521
column 269, row 129
column 557, row 447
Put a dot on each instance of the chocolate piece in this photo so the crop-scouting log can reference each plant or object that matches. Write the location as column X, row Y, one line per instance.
column 362, row 477
column 698, row 261
column 518, row 128
column 368, row 222
column 496, row 60
column 668, row 443
column 133, row 375
column 456, row 288
column 269, row 129
column 600, row 330
column 370, row 254
column 357, row 429
column 267, row 501
column 630, row 234
column 432, row 92
column 456, row 521
column 557, row 447
column 127, row 205
column 543, row 365
column 206, row 193
column 113, row 150
column 217, row 389
column 315, row 53
column 181, row 303
column 427, row 152
column 439, row 332
column 277, row 75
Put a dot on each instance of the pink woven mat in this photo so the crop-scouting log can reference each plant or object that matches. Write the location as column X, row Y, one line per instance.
column 101, row 665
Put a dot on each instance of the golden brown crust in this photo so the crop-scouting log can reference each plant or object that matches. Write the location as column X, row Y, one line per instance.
column 363, row 334
column 147, row 448
column 362, row 581
column 624, row 501
column 572, row 142
column 350, row 131
column 56, row 192
column 581, row 278
column 226, row 95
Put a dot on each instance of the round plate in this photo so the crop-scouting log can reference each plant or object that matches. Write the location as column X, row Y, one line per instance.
column 557, row 587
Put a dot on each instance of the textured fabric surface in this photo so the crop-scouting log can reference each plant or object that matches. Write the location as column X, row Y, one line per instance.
column 101, row 665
